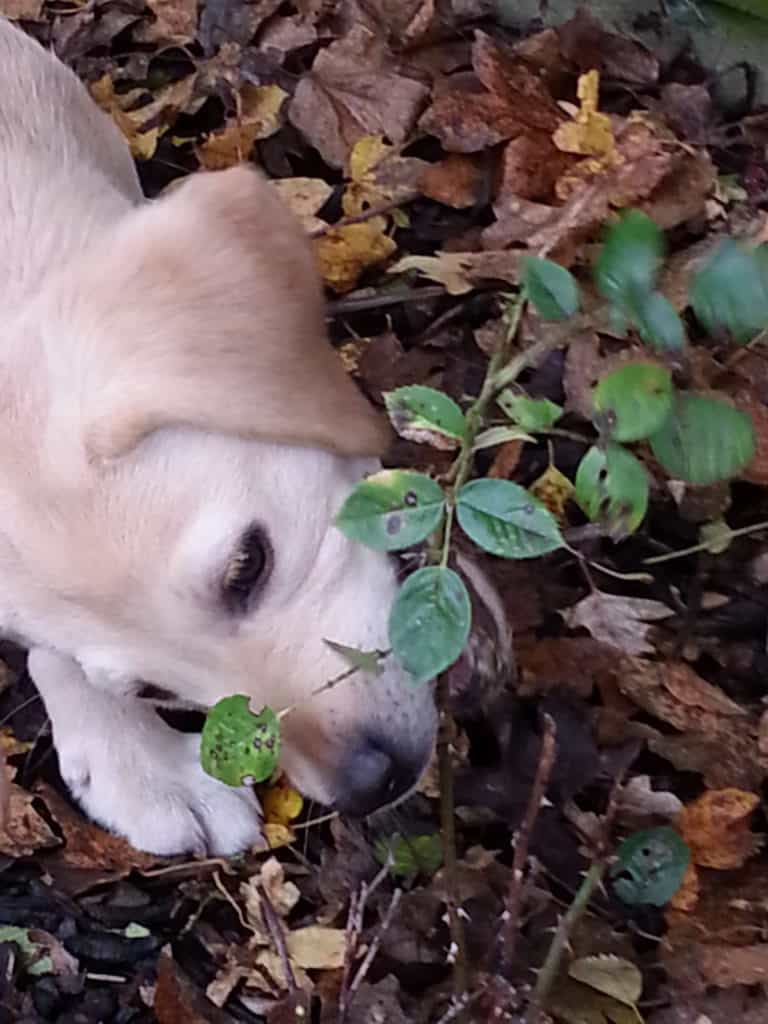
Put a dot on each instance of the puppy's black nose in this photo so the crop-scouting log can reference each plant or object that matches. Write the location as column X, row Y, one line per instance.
column 374, row 774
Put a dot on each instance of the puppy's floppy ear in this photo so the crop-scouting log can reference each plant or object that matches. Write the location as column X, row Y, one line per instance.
column 205, row 309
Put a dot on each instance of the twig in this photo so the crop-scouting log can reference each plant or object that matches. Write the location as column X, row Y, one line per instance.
column 743, row 531
column 373, row 949
column 592, row 880
column 396, row 297
column 507, row 940
column 274, row 927
column 356, row 218
column 354, row 931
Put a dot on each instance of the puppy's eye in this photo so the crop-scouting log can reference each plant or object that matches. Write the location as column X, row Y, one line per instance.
column 247, row 567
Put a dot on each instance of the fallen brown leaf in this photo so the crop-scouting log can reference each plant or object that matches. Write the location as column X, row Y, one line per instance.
column 586, row 43
column 355, row 89
column 88, row 846
column 24, row 830
column 455, row 181
column 175, row 20
column 716, row 828
column 503, row 99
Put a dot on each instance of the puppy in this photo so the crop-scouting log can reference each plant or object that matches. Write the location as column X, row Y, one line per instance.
column 177, row 437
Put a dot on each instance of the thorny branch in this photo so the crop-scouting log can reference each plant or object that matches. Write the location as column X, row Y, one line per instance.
column 511, row 917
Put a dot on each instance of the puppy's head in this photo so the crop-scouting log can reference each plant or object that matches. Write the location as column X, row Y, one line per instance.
column 200, row 436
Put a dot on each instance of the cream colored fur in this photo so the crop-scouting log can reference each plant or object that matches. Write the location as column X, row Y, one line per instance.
column 165, row 381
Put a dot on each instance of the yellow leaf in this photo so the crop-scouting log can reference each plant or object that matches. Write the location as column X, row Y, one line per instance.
column 281, row 804
column 345, row 252
column 316, row 947
column 554, row 490
column 590, row 132
column 142, row 126
column 278, row 835
column 257, row 117
column 379, row 176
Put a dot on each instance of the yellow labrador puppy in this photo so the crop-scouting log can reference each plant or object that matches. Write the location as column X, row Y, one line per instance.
column 177, row 435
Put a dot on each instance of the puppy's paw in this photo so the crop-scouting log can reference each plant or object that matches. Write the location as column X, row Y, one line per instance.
column 134, row 774
column 161, row 800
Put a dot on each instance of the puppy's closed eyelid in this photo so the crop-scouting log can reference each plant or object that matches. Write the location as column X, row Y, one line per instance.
column 247, row 570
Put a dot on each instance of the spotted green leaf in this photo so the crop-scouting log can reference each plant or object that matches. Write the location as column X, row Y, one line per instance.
column 633, row 401
column 429, row 622
column 505, row 519
column 425, row 415
column 650, row 867
column 612, row 488
column 239, row 747
column 392, row 510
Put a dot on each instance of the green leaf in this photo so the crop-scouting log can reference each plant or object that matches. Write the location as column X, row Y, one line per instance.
column 503, row 518
column 650, row 867
column 551, row 288
column 392, row 510
column 425, row 415
column 531, row 413
column 633, row 401
column 237, row 746
column 410, row 855
column 629, row 260
column 703, row 440
column 429, row 622
column 612, row 488
column 369, row 662
column 730, row 294
column 658, row 324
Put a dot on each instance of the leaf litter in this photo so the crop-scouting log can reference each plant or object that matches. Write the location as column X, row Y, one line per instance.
column 427, row 148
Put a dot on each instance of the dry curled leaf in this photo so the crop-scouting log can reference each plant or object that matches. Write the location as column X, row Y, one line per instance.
column 460, row 272
column 620, row 622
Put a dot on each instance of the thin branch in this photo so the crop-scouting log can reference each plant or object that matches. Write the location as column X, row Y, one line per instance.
column 357, row 218
column 274, row 927
column 507, row 940
column 354, row 931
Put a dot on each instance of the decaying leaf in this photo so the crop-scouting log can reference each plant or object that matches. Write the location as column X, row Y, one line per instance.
column 345, row 252
column 620, row 622
column 716, row 827
column 305, row 197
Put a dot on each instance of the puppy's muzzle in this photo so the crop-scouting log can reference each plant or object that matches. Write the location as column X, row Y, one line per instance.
column 376, row 773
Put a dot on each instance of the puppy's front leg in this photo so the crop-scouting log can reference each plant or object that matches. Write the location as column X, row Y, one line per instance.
column 134, row 774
